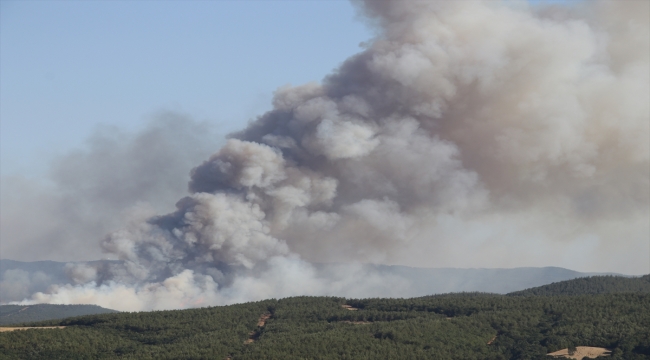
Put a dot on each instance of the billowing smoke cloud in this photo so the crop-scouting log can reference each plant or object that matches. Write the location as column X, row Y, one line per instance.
column 479, row 132
column 97, row 189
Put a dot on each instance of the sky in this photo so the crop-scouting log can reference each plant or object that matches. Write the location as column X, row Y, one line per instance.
column 90, row 90
column 67, row 66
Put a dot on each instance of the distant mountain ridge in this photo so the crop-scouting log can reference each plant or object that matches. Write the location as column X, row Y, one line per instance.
column 20, row 279
column 18, row 314
column 500, row 281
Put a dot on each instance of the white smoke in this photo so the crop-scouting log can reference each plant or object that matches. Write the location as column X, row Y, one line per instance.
column 465, row 130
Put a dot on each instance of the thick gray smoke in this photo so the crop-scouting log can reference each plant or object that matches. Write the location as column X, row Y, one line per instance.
column 479, row 132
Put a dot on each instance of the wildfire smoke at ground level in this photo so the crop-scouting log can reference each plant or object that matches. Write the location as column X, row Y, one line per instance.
column 473, row 132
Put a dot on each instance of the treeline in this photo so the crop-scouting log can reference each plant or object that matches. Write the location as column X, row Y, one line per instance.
column 456, row 326
column 206, row 333
column 591, row 285
column 451, row 326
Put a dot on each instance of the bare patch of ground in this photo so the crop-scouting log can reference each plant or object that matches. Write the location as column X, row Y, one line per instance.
column 581, row 352
column 254, row 335
column 3, row 329
column 492, row 340
column 348, row 307
column 357, row 322
column 262, row 320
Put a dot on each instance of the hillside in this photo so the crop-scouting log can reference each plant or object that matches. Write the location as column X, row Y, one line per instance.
column 452, row 326
column 591, row 285
column 16, row 314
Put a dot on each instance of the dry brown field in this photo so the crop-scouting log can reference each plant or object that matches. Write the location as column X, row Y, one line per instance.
column 581, row 352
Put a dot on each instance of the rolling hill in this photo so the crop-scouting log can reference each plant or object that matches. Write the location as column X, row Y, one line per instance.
column 591, row 285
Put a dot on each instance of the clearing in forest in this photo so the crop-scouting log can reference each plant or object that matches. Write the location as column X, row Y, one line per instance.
column 348, row 307
column 262, row 320
column 581, row 352
column 253, row 335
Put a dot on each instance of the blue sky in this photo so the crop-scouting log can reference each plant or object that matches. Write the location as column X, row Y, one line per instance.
column 68, row 66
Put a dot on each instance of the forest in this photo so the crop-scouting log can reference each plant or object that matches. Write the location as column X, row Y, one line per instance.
column 591, row 285
column 608, row 312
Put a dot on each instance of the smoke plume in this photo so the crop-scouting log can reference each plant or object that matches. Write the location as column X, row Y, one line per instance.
column 97, row 189
column 479, row 132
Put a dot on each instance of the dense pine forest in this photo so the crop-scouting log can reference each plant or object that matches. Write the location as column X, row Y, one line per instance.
column 451, row 326
column 591, row 285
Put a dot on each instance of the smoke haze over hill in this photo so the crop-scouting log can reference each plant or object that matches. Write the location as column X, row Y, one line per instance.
column 466, row 134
